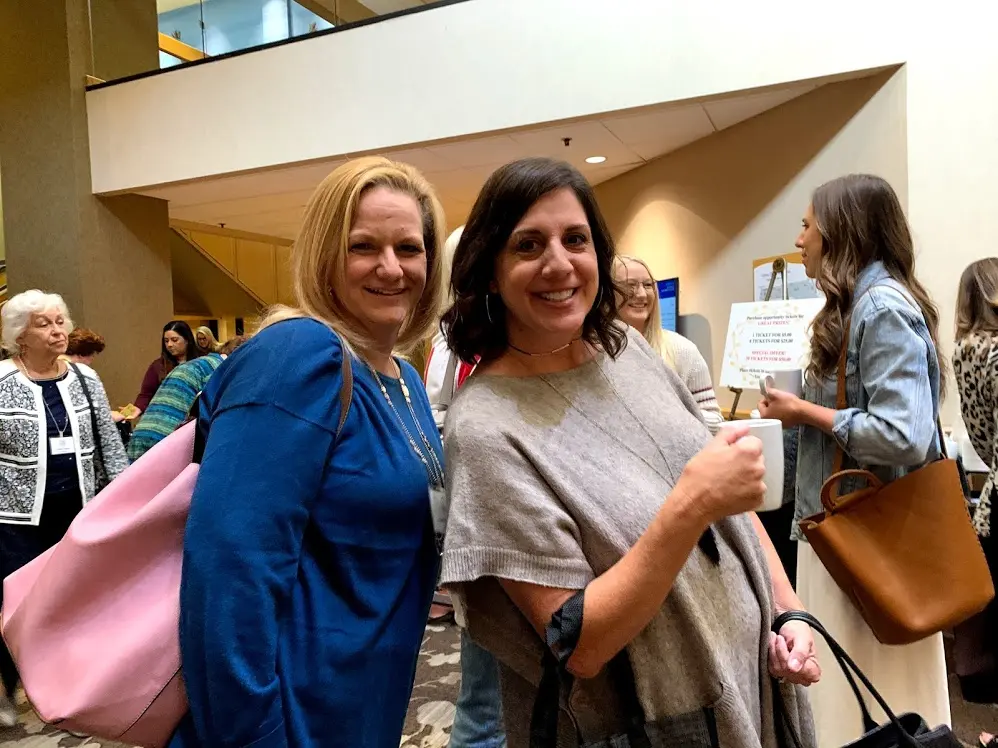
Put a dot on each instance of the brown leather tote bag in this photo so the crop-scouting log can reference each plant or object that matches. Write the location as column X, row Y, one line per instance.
column 906, row 552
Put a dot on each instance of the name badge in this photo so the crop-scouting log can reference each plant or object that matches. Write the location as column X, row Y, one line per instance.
column 62, row 445
column 439, row 508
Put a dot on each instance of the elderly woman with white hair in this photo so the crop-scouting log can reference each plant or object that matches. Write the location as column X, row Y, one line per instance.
column 58, row 442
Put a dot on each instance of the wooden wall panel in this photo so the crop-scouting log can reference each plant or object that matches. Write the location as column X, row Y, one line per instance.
column 222, row 248
column 285, row 293
column 256, row 268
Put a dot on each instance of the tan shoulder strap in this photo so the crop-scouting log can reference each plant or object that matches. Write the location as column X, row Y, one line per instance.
column 346, row 389
column 840, row 391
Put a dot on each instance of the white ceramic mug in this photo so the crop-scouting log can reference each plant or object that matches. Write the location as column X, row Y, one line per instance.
column 770, row 432
column 791, row 381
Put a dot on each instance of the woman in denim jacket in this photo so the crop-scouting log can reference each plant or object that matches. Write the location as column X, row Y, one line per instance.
column 856, row 242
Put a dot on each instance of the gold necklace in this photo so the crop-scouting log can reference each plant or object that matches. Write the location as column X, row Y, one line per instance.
column 545, row 353
column 23, row 367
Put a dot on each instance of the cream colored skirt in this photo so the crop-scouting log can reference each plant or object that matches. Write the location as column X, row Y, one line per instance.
column 911, row 678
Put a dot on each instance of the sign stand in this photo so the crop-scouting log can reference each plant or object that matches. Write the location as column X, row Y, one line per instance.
column 779, row 268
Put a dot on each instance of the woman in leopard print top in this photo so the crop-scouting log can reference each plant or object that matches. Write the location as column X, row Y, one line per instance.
column 975, row 363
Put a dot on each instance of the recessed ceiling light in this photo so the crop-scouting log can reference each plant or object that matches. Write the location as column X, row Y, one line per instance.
column 596, row 159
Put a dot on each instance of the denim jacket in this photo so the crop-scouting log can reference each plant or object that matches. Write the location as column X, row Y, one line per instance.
column 892, row 394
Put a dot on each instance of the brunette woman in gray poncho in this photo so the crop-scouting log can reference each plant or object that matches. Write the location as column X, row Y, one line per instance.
column 577, row 460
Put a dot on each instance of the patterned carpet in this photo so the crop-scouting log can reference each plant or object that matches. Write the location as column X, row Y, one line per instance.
column 431, row 710
column 427, row 725
column 438, row 678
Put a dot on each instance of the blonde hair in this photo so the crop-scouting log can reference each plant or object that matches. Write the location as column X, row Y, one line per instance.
column 213, row 344
column 17, row 311
column 319, row 255
column 653, row 332
column 977, row 299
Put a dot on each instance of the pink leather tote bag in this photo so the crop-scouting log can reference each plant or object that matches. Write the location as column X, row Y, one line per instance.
column 93, row 623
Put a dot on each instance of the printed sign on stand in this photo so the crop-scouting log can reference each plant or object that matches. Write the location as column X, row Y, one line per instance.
column 766, row 336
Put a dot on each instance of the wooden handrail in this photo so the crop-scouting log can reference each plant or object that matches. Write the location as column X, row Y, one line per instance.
column 179, row 49
column 210, row 228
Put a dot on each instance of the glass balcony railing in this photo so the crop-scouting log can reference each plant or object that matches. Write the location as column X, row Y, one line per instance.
column 192, row 31
column 217, row 27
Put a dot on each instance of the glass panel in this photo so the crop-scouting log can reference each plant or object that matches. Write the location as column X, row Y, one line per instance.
column 239, row 24
column 304, row 21
column 168, row 60
column 190, row 30
column 181, row 21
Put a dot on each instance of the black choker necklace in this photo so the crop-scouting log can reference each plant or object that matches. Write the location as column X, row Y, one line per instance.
column 545, row 353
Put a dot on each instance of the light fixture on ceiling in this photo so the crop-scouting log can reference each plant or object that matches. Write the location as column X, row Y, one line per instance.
column 596, row 159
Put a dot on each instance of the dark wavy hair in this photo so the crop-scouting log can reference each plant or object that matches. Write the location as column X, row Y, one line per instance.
column 860, row 219
column 183, row 330
column 506, row 197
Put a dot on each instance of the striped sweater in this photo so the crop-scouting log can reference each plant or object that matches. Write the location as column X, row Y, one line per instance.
column 170, row 405
column 692, row 369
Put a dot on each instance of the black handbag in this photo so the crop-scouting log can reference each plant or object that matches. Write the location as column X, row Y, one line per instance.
column 697, row 729
column 562, row 637
column 904, row 731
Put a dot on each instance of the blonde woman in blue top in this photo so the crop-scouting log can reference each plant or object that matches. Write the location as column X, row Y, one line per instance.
column 310, row 559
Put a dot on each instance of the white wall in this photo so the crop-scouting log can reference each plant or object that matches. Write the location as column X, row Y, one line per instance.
column 491, row 64
column 952, row 112
column 473, row 67
column 705, row 212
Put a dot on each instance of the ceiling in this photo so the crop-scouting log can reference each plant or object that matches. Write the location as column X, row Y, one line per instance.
column 272, row 201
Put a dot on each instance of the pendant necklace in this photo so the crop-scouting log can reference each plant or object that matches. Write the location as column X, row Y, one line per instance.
column 439, row 504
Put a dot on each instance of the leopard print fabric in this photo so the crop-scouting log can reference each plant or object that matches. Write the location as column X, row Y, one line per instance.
column 975, row 363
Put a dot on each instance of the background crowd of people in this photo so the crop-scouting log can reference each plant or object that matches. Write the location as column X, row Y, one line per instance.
column 564, row 464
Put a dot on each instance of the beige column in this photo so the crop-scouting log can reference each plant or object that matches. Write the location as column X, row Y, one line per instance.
column 108, row 257
column 226, row 328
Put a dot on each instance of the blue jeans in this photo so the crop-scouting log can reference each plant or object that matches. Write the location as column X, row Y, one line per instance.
column 478, row 721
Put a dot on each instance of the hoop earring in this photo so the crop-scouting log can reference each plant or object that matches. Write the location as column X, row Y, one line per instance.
column 488, row 310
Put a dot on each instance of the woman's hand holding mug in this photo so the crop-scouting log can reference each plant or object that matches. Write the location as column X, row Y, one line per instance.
column 726, row 477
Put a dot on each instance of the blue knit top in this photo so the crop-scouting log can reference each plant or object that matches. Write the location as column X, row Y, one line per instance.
column 309, row 564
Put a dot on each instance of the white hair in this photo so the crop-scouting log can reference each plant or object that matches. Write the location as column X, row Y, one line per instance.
column 16, row 314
